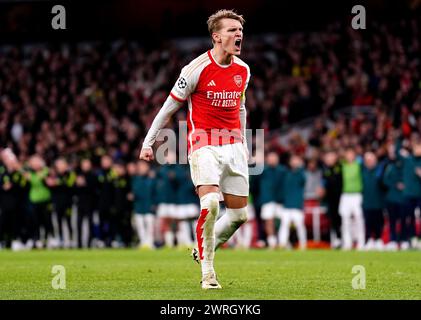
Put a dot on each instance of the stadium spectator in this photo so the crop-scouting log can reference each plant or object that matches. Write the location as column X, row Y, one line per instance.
column 166, row 192
column 61, row 182
column 143, row 194
column 187, row 206
column 271, row 193
column 12, row 202
column 106, row 178
column 332, row 185
column 40, row 204
column 86, row 187
column 411, row 186
column 292, row 212
column 120, row 222
column 395, row 204
column 373, row 202
column 350, row 204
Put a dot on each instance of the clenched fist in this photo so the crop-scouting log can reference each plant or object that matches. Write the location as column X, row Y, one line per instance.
column 146, row 154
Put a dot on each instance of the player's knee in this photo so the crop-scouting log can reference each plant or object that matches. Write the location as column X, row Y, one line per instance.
column 238, row 216
column 210, row 201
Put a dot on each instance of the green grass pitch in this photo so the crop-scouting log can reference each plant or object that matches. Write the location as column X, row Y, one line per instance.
column 171, row 274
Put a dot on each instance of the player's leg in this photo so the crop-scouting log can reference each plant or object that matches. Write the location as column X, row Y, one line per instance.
column 359, row 221
column 284, row 228
column 235, row 216
column 183, row 226
column 247, row 232
column 149, row 228
column 164, row 215
column 140, row 228
column 205, row 230
column 235, row 189
column 345, row 207
column 185, row 230
column 297, row 216
column 268, row 213
column 206, row 170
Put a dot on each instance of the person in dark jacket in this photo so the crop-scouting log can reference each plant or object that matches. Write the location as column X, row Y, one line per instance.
column 271, row 195
column 373, row 202
column 166, row 199
column 62, row 182
column 332, row 185
column 12, row 188
column 411, row 172
column 395, row 202
column 86, row 186
column 292, row 212
column 187, row 206
column 121, row 214
column 142, row 193
column 106, row 177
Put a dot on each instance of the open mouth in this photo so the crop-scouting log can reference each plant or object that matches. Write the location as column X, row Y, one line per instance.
column 238, row 43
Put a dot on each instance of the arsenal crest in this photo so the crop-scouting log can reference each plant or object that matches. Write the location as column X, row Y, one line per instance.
column 238, row 80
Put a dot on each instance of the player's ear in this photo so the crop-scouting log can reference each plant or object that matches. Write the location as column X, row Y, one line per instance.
column 216, row 37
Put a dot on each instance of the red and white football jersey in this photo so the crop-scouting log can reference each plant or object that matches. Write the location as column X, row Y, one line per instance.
column 214, row 94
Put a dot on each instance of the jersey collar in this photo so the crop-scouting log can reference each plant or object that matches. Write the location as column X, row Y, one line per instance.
column 219, row 65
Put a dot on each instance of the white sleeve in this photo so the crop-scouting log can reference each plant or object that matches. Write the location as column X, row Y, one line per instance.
column 168, row 109
column 185, row 84
column 183, row 88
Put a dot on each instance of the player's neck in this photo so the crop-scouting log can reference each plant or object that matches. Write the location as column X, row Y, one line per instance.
column 221, row 57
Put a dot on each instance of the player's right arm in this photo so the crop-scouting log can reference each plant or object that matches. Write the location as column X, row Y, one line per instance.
column 168, row 109
column 179, row 93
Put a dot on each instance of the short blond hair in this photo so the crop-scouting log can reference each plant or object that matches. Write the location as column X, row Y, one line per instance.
column 214, row 21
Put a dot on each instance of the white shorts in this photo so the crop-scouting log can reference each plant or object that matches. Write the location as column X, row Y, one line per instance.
column 351, row 203
column 167, row 210
column 187, row 211
column 271, row 210
column 296, row 216
column 225, row 166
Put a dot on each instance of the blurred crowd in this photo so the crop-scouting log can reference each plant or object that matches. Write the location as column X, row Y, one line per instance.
column 74, row 115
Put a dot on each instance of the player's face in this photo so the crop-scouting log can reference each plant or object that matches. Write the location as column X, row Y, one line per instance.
column 230, row 36
column 350, row 156
column 86, row 165
column 370, row 160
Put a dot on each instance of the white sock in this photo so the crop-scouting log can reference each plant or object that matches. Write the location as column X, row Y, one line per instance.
column 169, row 238
column 228, row 224
column 205, row 229
column 140, row 227
column 185, row 230
column 272, row 241
column 149, row 219
column 247, row 234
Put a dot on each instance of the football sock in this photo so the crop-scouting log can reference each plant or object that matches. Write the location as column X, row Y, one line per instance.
column 205, row 230
column 185, row 233
column 169, row 238
column 228, row 224
column 149, row 222
column 272, row 241
column 247, row 235
column 140, row 228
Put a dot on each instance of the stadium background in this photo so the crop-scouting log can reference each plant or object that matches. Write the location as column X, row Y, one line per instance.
column 94, row 88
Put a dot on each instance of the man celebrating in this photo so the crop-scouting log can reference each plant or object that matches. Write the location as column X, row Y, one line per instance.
column 214, row 86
